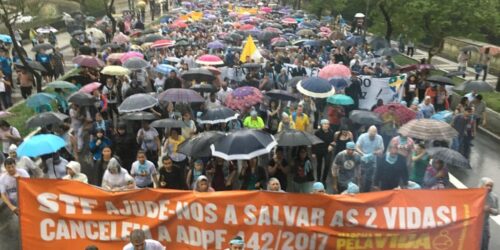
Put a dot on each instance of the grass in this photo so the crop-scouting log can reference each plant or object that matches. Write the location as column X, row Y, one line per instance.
column 21, row 113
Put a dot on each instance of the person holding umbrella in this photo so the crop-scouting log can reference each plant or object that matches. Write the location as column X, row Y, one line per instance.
column 490, row 208
column 55, row 167
column 24, row 162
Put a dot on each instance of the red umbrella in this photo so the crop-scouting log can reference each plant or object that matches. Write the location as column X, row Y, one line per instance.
column 403, row 113
column 178, row 25
column 274, row 30
column 89, row 88
column 162, row 44
column 88, row 61
column 243, row 98
column 131, row 54
column 246, row 27
column 209, row 60
column 289, row 20
column 408, row 68
column 334, row 71
column 121, row 39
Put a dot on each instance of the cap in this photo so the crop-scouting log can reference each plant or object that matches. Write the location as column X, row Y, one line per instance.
column 253, row 113
column 350, row 145
column 317, row 186
column 12, row 148
column 324, row 121
column 237, row 241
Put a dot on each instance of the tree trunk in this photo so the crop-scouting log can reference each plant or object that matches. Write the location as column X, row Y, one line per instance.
column 388, row 22
column 109, row 13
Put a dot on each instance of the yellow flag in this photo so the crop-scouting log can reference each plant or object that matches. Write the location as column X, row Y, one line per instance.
column 250, row 50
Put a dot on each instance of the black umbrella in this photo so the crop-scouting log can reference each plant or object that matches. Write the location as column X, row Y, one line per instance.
column 364, row 117
column 199, row 145
column 153, row 38
column 77, row 32
column 136, row 63
column 181, row 42
column 292, row 138
column 479, row 86
column 33, row 64
column 168, row 123
column 42, row 46
column 198, row 75
column 440, row 80
column 138, row 116
column 278, row 94
column 111, row 45
column 204, row 88
column 218, row 115
column 267, row 35
column 387, row 52
column 378, row 43
column 469, row 48
column 45, row 119
column 293, row 82
column 243, row 144
column 82, row 99
column 251, row 65
column 449, row 157
column 137, row 102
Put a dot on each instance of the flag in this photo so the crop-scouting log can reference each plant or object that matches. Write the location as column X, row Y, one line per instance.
column 250, row 50
column 395, row 82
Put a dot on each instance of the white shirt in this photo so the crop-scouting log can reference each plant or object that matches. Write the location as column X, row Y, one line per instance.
column 222, row 94
column 26, row 163
column 8, row 184
column 2, row 85
column 58, row 171
column 211, row 105
column 137, row 169
column 6, row 142
column 119, row 180
column 150, row 245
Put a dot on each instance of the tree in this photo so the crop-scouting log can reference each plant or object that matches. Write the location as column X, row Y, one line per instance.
column 109, row 6
column 9, row 13
column 320, row 7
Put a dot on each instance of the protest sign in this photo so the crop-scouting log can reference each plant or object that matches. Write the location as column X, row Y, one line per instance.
column 389, row 89
column 59, row 214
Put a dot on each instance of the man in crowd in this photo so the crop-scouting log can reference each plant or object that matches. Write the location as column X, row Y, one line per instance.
column 8, row 184
column 370, row 145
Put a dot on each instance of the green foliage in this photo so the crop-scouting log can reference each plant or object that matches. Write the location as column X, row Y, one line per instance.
column 21, row 113
column 328, row 7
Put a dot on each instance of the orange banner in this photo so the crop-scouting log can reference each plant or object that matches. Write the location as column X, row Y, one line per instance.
column 57, row 214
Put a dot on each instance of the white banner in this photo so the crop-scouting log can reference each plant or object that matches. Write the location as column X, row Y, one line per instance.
column 389, row 89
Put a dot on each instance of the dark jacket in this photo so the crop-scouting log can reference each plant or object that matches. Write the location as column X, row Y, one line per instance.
column 389, row 176
column 326, row 137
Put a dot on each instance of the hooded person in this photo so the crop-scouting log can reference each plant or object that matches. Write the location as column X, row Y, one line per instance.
column 202, row 185
column 25, row 162
column 117, row 178
column 273, row 185
column 318, row 188
column 351, row 189
column 73, row 169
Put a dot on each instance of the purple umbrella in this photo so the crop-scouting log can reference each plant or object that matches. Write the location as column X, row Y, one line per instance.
column 180, row 95
column 216, row 45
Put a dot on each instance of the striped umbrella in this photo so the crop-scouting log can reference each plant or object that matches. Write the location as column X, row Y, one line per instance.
column 428, row 129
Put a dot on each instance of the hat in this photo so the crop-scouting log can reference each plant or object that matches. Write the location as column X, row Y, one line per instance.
column 284, row 115
column 350, row 145
column 12, row 148
column 199, row 161
column 253, row 113
column 75, row 166
column 318, row 186
column 351, row 188
column 324, row 121
column 237, row 241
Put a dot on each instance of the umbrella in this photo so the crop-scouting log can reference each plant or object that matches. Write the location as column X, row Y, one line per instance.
column 280, row 43
column 246, row 27
column 216, row 45
column 334, row 70
column 293, row 82
column 209, row 60
column 218, row 115
column 114, row 70
column 387, row 52
column 111, row 46
column 41, row 145
column 165, row 68
column 428, row 129
column 340, row 99
column 88, row 61
column 198, row 75
column 289, row 20
column 39, row 99
column 444, row 116
column 364, row 117
column 292, row 138
column 305, row 32
column 315, row 87
column 129, row 55
column 213, row 70
column 136, row 64
column 121, row 39
column 173, row 59
column 339, row 83
column 181, row 42
column 168, row 123
column 243, row 144
column 243, row 98
column 251, row 65
column 378, row 43
column 282, row 95
column 46, row 30
column 45, row 119
column 138, row 116
column 479, row 86
column 408, row 68
column 137, row 102
column 42, row 46
column 180, row 95
column 440, row 80
column 267, row 35
column 449, row 157
column 426, row 67
column 91, row 87
column 469, row 48
column 33, row 64
column 82, row 99
column 204, row 88
column 115, row 58
column 151, row 38
column 5, row 38
column 61, row 85
column 97, row 33
column 404, row 114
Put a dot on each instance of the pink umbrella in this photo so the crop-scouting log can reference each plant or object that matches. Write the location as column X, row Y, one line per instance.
column 115, row 58
column 131, row 54
column 162, row 44
column 178, row 25
column 289, row 20
column 212, row 69
column 274, row 30
column 89, row 88
column 334, row 71
column 121, row 39
column 278, row 39
column 246, row 27
column 266, row 9
column 243, row 98
column 209, row 60
column 88, row 61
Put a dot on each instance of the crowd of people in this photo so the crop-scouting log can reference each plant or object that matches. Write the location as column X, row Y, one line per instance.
column 104, row 150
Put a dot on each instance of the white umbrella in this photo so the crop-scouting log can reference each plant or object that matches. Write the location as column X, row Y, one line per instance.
column 97, row 33
column 46, row 30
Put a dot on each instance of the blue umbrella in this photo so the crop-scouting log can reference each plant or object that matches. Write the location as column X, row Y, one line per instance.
column 165, row 68
column 316, row 87
column 39, row 99
column 41, row 145
column 340, row 99
column 444, row 116
column 339, row 83
column 312, row 43
column 5, row 38
column 165, row 19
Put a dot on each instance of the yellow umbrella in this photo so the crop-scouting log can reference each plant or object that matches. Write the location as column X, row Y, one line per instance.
column 135, row 47
column 114, row 70
column 145, row 46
